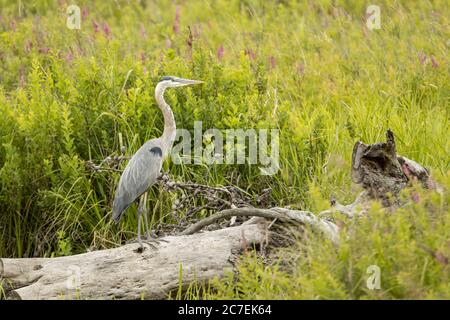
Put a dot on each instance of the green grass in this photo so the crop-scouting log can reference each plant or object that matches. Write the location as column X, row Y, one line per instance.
column 310, row 69
column 411, row 248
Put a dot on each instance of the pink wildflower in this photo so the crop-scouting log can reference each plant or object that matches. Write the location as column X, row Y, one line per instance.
column 84, row 13
column 422, row 57
column 69, row 57
column 176, row 24
column 106, row 30
column 434, row 62
column 250, row 54
column 220, row 52
column 273, row 62
column 96, row 26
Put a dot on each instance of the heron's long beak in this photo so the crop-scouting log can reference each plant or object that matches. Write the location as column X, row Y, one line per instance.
column 187, row 82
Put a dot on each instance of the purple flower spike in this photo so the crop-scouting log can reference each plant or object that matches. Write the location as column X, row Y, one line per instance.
column 220, row 52
column 422, row 57
column 273, row 62
column 107, row 30
column 434, row 62
column 250, row 54
column 95, row 25
column 69, row 57
column 176, row 24
column 84, row 13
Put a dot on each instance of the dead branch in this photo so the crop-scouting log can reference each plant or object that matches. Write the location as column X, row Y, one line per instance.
column 302, row 217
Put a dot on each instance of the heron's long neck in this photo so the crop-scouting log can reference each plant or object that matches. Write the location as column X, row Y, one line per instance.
column 168, row 136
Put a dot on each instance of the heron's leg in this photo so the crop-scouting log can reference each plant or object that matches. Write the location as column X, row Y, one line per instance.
column 140, row 209
column 145, row 212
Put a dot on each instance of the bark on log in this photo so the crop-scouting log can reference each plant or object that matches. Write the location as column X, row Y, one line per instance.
column 383, row 173
column 122, row 273
column 377, row 169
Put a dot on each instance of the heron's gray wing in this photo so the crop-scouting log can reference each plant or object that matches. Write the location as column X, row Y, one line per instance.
column 140, row 173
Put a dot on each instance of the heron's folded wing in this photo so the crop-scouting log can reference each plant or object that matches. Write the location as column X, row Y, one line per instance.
column 140, row 173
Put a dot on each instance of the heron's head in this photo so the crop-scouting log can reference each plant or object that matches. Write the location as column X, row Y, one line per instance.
column 174, row 82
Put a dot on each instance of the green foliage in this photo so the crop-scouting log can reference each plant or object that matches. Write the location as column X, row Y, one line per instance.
column 64, row 244
column 410, row 246
column 310, row 69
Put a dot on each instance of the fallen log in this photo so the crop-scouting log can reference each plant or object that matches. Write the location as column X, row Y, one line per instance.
column 122, row 273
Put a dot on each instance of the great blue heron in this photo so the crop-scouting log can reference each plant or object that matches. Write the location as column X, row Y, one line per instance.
column 144, row 167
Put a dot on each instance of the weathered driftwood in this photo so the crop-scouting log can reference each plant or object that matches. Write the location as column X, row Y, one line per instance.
column 383, row 173
column 122, row 273
column 377, row 169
